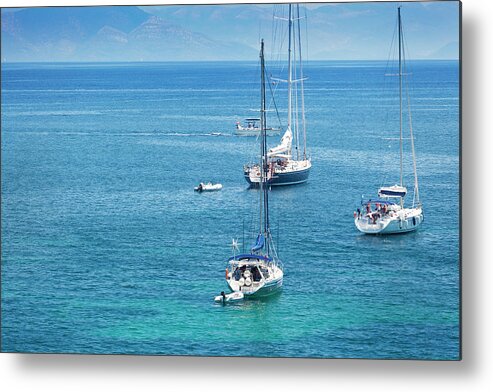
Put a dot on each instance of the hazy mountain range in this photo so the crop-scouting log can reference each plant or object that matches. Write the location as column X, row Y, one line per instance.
column 226, row 32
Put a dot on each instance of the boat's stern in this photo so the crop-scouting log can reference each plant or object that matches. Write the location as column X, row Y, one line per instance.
column 253, row 275
column 367, row 226
column 252, row 174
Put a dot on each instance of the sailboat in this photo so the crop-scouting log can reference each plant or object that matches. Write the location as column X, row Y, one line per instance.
column 260, row 272
column 288, row 162
column 387, row 214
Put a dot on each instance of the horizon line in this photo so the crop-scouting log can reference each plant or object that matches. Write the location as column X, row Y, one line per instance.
column 200, row 61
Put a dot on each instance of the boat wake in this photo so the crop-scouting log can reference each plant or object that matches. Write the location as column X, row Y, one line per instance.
column 101, row 133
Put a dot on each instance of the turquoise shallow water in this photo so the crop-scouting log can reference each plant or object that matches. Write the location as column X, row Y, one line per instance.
column 107, row 249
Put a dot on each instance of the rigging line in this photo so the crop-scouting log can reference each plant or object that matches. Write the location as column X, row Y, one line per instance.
column 400, row 96
column 388, row 83
column 413, row 151
column 253, row 221
column 274, row 102
column 297, row 61
column 392, row 50
column 277, row 216
column 408, row 64
column 273, row 35
column 408, row 74
column 280, row 34
column 275, row 254
column 264, row 164
column 303, row 119
column 262, row 146
column 243, row 236
column 290, row 125
column 271, row 101
column 296, row 113
column 275, row 61
column 253, row 156
column 306, row 33
column 284, row 31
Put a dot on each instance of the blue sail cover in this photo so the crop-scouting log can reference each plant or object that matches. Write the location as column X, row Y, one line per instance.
column 259, row 244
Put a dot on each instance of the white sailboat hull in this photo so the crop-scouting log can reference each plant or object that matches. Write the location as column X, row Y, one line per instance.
column 404, row 221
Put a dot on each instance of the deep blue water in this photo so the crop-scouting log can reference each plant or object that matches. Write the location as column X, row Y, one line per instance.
column 107, row 249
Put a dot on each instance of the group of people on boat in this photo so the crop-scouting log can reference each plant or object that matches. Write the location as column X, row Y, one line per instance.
column 381, row 210
column 280, row 163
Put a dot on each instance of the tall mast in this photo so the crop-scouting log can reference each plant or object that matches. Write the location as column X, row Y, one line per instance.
column 400, row 93
column 262, row 152
column 290, row 77
column 303, row 120
column 264, row 166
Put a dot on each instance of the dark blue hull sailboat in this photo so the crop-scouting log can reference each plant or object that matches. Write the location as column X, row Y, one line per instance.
column 281, row 178
column 288, row 162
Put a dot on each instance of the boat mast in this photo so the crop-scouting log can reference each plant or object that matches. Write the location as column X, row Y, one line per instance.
column 296, row 116
column 261, row 165
column 290, row 71
column 302, row 86
column 400, row 94
column 264, row 167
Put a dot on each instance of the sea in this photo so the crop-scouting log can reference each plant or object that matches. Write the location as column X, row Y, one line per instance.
column 107, row 249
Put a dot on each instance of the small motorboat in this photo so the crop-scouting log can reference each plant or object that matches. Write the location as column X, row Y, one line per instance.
column 231, row 297
column 209, row 187
column 252, row 128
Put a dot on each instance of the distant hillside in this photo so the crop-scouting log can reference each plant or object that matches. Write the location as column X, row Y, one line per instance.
column 246, row 23
column 335, row 31
column 107, row 34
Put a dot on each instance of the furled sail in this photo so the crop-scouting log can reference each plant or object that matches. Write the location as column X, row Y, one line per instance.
column 285, row 146
column 259, row 244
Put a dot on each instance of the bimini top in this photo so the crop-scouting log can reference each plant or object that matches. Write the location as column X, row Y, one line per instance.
column 249, row 256
column 252, row 119
column 392, row 191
